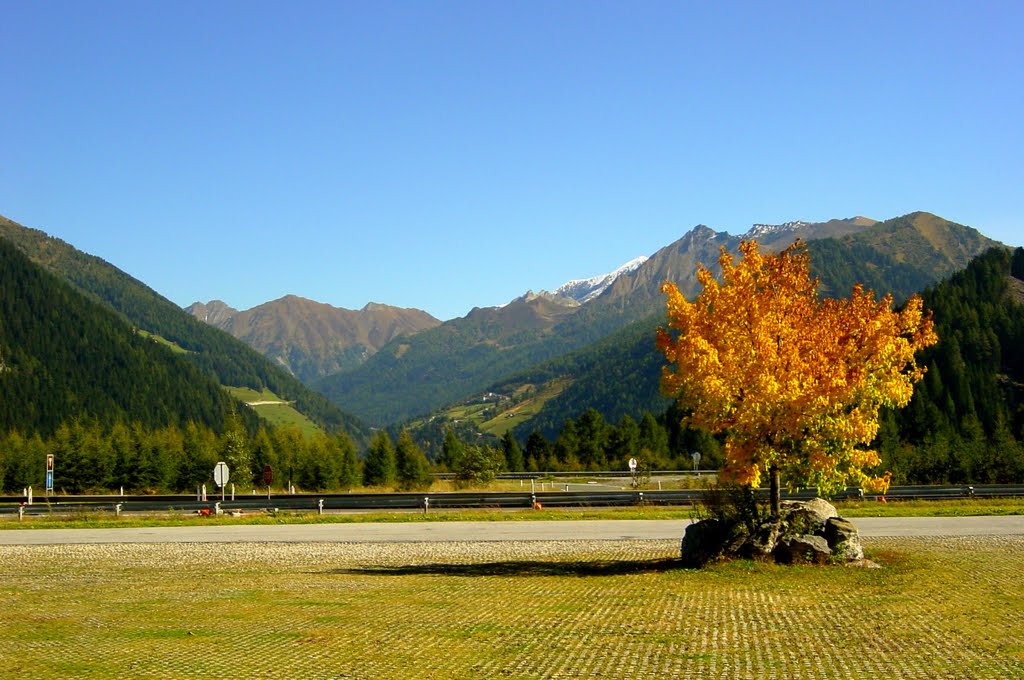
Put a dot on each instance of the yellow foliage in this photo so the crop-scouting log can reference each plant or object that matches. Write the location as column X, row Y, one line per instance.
column 792, row 380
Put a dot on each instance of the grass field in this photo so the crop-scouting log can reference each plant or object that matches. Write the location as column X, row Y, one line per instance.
column 497, row 424
column 277, row 412
column 949, row 608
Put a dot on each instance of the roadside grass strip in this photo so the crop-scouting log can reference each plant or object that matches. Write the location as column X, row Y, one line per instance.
column 940, row 608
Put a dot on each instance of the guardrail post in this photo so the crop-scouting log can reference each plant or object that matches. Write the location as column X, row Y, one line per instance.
column 29, row 495
column 21, row 511
column 640, row 500
column 216, row 508
column 426, row 504
column 320, row 506
column 970, row 491
column 117, row 509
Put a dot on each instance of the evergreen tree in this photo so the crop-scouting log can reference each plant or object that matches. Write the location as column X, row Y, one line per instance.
column 200, row 456
column 512, row 452
column 317, row 469
column 653, row 443
column 289, row 446
column 235, row 452
column 349, row 473
column 379, row 468
column 451, row 449
column 263, row 454
column 413, row 470
column 623, row 443
column 567, row 445
column 538, row 452
column 592, row 432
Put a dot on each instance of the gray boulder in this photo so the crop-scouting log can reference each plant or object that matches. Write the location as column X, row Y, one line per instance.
column 703, row 542
column 805, row 532
column 803, row 549
column 844, row 539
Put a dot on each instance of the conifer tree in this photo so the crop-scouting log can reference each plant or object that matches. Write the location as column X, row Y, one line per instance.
column 379, row 468
column 413, row 469
column 513, row 453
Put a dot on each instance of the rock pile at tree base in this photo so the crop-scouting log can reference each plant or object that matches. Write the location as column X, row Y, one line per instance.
column 806, row 532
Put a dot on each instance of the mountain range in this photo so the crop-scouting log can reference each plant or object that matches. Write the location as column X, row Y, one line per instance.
column 588, row 344
column 421, row 373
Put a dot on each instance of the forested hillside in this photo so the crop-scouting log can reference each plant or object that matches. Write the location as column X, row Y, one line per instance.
column 214, row 352
column 900, row 256
column 965, row 422
column 64, row 356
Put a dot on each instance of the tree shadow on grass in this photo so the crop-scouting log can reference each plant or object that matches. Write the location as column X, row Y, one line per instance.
column 520, row 568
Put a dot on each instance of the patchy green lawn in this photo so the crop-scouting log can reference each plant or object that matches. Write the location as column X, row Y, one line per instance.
column 948, row 608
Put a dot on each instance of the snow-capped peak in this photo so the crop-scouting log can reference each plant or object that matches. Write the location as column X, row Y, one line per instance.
column 585, row 290
column 762, row 230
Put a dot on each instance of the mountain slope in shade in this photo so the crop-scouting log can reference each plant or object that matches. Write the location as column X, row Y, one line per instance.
column 64, row 356
column 311, row 339
column 215, row 353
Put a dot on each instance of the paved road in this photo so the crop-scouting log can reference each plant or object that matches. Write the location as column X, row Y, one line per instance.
column 403, row 532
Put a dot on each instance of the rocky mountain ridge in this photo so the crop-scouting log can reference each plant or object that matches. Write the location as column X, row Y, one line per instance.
column 312, row 339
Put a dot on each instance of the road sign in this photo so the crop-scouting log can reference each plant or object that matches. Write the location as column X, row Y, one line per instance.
column 632, row 464
column 268, row 475
column 221, row 474
column 49, row 472
column 696, row 459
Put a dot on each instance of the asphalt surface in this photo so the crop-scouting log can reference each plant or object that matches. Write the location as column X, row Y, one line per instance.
column 414, row 532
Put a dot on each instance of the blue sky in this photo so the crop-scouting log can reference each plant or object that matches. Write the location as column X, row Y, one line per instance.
column 446, row 155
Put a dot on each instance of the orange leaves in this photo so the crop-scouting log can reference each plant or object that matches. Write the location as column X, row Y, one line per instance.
column 793, row 381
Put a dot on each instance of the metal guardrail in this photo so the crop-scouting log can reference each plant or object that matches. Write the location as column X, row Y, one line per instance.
column 427, row 501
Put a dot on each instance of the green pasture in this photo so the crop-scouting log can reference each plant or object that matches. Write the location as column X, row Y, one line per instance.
column 281, row 414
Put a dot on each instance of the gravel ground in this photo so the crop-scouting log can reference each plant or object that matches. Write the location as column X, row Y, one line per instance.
column 942, row 608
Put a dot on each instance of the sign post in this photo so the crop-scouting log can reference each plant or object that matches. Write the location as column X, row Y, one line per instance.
column 632, row 471
column 268, row 478
column 49, row 473
column 220, row 476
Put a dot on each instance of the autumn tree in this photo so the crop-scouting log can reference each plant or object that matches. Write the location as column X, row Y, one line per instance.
column 793, row 382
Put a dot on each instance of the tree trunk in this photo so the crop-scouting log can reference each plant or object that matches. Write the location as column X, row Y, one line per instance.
column 776, row 492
